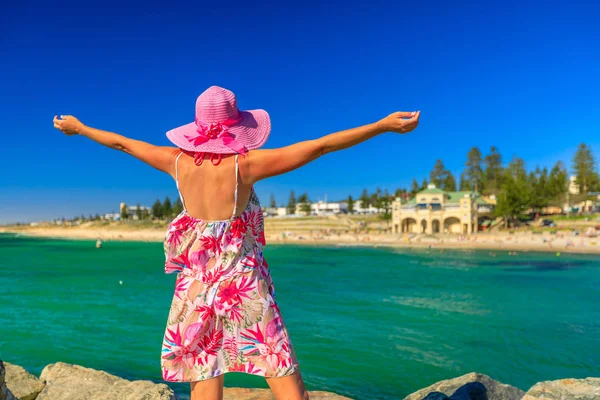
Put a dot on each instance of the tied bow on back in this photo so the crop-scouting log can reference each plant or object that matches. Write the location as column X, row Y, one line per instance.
column 217, row 131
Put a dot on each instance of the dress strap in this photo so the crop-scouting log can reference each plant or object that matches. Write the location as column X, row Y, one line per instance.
column 177, row 181
column 236, row 188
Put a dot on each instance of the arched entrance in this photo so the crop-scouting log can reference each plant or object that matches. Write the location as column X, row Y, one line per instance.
column 409, row 225
column 452, row 225
column 435, row 226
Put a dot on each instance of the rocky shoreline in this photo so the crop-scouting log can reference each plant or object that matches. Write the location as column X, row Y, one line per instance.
column 62, row 381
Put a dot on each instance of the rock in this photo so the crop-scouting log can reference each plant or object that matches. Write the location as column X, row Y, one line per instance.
column 2, row 385
column 5, row 394
column 266, row 394
column 495, row 389
column 22, row 384
column 565, row 389
column 73, row 382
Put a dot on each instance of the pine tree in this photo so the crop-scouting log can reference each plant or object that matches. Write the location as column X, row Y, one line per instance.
column 304, row 203
column 507, row 205
column 437, row 176
column 584, row 166
column 503, row 209
column 517, row 168
column 138, row 212
column 465, row 184
column 557, row 184
column 273, row 203
column 167, row 208
column 306, row 206
column 291, row 206
column 350, row 204
column 385, row 204
column 538, row 184
column 365, row 200
column 401, row 193
column 449, row 183
column 157, row 210
column 473, row 172
column 493, row 171
column 414, row 188
column 376, row 198
column 177, row 206
column 543, row 187
column 515, row 196
column 424, row 184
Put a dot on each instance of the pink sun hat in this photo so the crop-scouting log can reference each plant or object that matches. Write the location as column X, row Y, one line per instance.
column 220, row 127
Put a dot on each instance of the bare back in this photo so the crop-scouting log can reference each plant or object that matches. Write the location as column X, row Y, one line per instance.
column 209, row 191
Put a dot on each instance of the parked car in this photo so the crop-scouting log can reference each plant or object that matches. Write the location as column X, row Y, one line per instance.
column 548, row 222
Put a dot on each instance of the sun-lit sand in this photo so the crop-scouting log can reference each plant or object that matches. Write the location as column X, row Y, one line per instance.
column 320, row 234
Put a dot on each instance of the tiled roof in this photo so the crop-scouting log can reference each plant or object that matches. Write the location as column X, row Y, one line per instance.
column 431, row 191
column 451, row 197
column 454, row 197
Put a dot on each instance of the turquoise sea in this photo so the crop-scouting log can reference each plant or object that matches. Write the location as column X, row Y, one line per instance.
column 368, row 323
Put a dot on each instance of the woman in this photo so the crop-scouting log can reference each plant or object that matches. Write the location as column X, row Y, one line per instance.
column 224, row 316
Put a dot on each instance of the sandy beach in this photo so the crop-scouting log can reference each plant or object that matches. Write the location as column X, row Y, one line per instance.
column 565, row 242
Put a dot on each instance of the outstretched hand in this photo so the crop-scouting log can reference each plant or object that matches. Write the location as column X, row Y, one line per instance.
column 68, row 124
column 401, row 122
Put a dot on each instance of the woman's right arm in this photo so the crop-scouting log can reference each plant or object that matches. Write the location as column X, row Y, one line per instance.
column 260, row 164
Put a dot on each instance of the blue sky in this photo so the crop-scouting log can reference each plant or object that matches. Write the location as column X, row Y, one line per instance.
column 522, row 76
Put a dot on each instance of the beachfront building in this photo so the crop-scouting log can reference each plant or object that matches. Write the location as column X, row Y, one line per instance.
column 274, row 212
column 592, row 205
column 325, row 208
column 434, row 210
column 359, row 209
column 111, row 216
column 132, row 211
column 322, row 208
column 269, row 211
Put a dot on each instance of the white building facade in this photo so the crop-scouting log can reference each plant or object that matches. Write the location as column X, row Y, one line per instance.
column 322, row 208
column 359, row 209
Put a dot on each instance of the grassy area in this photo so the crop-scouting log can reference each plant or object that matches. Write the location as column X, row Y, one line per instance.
column 540, row 231
column 590, row 217
column 334, row 223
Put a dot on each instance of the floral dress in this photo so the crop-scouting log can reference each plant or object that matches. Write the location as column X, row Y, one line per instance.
column 223, row 317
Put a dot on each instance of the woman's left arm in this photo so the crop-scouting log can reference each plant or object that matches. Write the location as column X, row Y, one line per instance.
column 159, row 157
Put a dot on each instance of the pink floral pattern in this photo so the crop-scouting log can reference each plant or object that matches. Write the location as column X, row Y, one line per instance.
column 224, row 316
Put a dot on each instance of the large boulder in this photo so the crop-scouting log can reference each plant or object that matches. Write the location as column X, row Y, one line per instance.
column 73, row 382
column 495, row 389
column 5, row 394
column 565, row 389
column 22, row 384
column 266, row 394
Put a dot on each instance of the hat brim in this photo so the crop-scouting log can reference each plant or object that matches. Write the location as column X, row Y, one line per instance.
column 252, row 131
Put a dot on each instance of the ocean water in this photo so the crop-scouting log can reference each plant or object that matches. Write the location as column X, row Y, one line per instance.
column 368, row 323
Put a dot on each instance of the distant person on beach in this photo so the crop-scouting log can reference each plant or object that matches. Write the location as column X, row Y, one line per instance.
column 224, row 315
